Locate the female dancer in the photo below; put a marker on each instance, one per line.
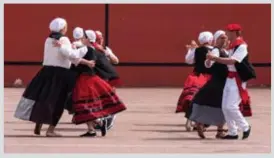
(93, 98)
(207, 103)
(200, 75)
(104, 63)
(44, 98)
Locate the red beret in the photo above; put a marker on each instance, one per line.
(234, 27)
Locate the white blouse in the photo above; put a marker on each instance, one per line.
(189, 58)
(78, 43)
(63, 56)
(238, 55)
(110, 54)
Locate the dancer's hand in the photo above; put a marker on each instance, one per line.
(192, 45)
(210, 56)
(91, 63)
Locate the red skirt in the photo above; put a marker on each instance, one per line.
(192, 85)
(115, 82)
(94, 98)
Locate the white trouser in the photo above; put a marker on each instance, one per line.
(230, 106)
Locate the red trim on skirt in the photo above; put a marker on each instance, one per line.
(245, 104)
(192, 85)
(94, 98)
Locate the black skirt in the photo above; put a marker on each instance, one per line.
(44, 98)
(74, 74)
(206, 107)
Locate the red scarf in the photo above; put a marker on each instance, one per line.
(96, 46)
(236, 43)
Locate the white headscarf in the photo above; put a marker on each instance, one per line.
(218, 34)
(205, 37)
(91, 35)
(57, 24)
(78, 33)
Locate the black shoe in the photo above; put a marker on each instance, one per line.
(37, 129)
(200, 131)
(230, 137)
(206, 125)
(110, 121)
(104, 127)
(246, 133)
(89, 134)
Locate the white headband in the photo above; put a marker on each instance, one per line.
(57, 24)
(91, 35)
(218, 34)
(205, 37)
(78, 33)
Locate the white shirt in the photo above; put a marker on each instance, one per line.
(240, 53)
(110, 54)
(78, 43)
(189, 58)
(63, 56)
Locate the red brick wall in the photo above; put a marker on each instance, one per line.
(137, 33)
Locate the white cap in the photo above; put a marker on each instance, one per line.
(205, 37)
(91, 35)
(78, 33)
(57, 24)
(218, 34)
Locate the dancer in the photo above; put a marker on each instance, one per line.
(199, 76)
(108, 52)
(78, 35)
(235, 92)
(207, 103)
(105, 57)
(101, 68)
(93, 98)
(44, 98)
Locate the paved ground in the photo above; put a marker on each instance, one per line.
(148, 126)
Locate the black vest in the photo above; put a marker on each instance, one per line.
(200, 57)
(84, 69)
(220, 70)
(104, 68)
(245, 69)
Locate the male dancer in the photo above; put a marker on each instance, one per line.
(235, 93)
